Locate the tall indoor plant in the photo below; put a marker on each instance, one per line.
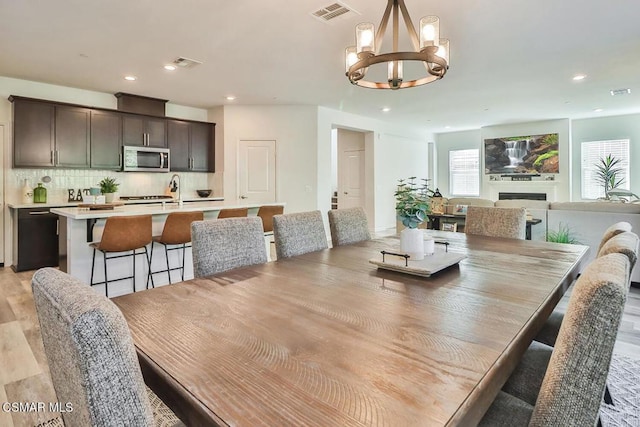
(413, 205)
(607, 174)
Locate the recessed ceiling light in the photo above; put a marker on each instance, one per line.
(579, 77)
(598, 110)
(130, 78)
(170, 67)
(230, 98)
(447, 127)
(385, 109)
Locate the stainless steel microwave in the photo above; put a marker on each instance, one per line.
(145, 159)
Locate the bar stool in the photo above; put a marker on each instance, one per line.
(175, 233)
(266, 213)
(123, 234)
(233, 213)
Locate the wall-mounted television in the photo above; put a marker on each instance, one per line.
(531, 154)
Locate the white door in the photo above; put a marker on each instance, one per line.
(350, 179)
(257, 171)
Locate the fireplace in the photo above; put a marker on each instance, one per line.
(526, 196)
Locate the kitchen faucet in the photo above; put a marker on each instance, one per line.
(174, 186)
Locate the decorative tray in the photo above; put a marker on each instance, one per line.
(431, 264)
(100, 206)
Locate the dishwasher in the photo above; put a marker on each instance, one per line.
(37, 239)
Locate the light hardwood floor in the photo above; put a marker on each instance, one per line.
(24, 374)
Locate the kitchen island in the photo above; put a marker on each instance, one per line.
(81, 226)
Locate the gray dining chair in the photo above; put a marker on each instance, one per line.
(613, 230)
(496, 222)
(626, 243)
(91, 356)
(348, 226)
(224, 244)
(299, 233)
(573, 381)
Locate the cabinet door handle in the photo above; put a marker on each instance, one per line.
(57, 227)
(120, 160)
(57, 157)
(53, 160)
(38, 212)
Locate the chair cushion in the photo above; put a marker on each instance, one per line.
(507, 411)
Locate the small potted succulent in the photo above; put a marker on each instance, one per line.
(108, 187)
(413, 205)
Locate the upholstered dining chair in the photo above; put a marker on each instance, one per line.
(626, 243)
(614, 230)
(299, 233)
(496, 222)
(348, 226)
(223, 244)
(91, 356)
(574, 379)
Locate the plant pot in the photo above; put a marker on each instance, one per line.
(412, 243)
(110, 197)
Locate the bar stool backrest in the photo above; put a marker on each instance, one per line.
(267, 213)
(125, 233)
(233, 213)
(177, 227)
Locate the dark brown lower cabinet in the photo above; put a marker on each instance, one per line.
(37, 239)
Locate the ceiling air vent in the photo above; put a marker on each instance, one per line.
(618, 92)
(332, 11)
(186, 62)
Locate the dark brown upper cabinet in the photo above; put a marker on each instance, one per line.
(106, 140)
(144, 131)
(49, 135)
(192, 146)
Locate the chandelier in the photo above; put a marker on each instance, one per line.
(429, 49)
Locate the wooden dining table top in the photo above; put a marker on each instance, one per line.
(327, 339)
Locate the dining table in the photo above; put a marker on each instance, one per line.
(329, 339)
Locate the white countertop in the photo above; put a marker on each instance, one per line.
(153, 209)
(128, 202)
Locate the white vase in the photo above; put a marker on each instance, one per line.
(412, 243)
(27, 192)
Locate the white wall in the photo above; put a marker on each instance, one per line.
(398, 152)
(446, 142)
(557, 190)
(606, 128)
(294, 128)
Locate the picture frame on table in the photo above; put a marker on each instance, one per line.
(460, 210)
(449, 226)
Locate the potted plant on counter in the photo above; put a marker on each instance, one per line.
(413, 205)
(108, 187)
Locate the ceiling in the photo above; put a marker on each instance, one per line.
(511, 61)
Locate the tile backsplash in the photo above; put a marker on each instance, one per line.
(131, 183)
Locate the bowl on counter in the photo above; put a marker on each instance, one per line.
(203, 193)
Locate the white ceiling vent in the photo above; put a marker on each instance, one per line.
(333, 11)
(618, 92)
(186, 62)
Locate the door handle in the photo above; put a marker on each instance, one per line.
(243, 197)
(346, 192)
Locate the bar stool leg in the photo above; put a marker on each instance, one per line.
(149, 275)
(106, 281)
(93, 264)
(134, 269)
(184, 248)
(166, 255)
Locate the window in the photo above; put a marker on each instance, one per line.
(592, 152)
(464, 172)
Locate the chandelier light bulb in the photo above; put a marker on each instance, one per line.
(365, 40)
(429, 31)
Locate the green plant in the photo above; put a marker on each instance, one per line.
(413, 202)
(545, 156)
(108, 185)
(563, 235)
(607, 174)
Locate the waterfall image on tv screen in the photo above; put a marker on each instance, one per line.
(533, 154)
